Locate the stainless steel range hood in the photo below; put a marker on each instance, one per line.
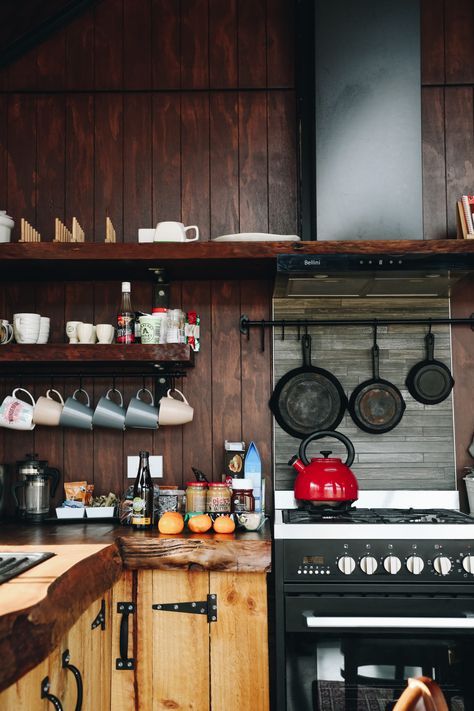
(369, 276)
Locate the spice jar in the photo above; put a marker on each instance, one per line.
(242, 496)
(218, 498)
(196, 492)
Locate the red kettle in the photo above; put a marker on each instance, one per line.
(325, 480)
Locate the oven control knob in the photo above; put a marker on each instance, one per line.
(468, 564)
(346, 564)
(415, 564)
(392, 564)
(442, 565)
(368, 564)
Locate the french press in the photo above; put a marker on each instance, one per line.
(36, 484)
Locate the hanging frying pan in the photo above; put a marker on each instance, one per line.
(376, 405)
(429, 381)
(307, 399)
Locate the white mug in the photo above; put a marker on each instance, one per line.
(26, 327)
(105, 332)
(174, 232)
(86, 333)
(174, 412)
(16, 414)
(71, 330)
(47, 410)
(6, 332)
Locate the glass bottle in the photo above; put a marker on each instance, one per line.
(142, 504)
(126, 317)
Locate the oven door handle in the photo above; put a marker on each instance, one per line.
(435, 623)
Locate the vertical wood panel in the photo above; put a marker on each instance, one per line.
(282, 171)
(224, 164)
(195, 162)
(165, 49)
(253, 163)
(223, 70)
(166, 138)
(194, 44)
(108, 44)
(432, 41)
(51, 164)
(23, 74)
(79, 197)
(123, 682)
(280, 51)
(108, 189)
(459, 18)
(51, 62)
(252, 44)
(434, 163)
(22, 160)
(137, 40)
(459, 149)
(3, 150)
(80, 52)
(138, 161)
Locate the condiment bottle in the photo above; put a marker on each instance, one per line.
(196, 499)
(242, 496)
(126, 317)
(142, 503)
(218, 498)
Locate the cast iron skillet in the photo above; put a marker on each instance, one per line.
(429, 381)
(307, 399)
(376, 405)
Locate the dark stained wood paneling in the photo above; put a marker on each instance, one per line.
(434, 163)
(52, 63)
(108, 44)
(195, 44)
(80, 52)
(165, 48)
(137, 39)
(224, 163)
(252, 44)
(281, 43)
(3, 150)
(432, 41)
(223, 44)
(22, 160)
(459, 22)
(108, 171)
(166, 152)
(459, 148)
(79, 194)
(282, 170)
(195, 161)
(50, 164)
(253, 156)
(23, 74)
(137, 158)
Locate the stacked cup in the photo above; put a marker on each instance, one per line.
(30, 328)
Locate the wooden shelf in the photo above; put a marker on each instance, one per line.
(199, 260)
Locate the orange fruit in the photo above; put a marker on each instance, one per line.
(200, 524)
(171, 522)
(224, 524)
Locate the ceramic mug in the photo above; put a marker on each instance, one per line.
(6, 332)
(43, 334)
(16, 414)
(75, 413)
(71, 331)
(251, 520)
(105, 332)
(86, 333)
(47, 410)
(174, 232)
(174, 412)
(109, 413)
(142, 414)
(26, 327)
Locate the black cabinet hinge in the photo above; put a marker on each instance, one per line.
(124, 662)
(206, 607)
(100, 618)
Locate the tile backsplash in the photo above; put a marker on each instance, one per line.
(419, 452)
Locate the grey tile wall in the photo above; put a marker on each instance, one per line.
(419, 452)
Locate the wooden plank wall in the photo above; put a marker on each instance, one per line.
(149, 110)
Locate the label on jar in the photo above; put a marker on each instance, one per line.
(218, 501)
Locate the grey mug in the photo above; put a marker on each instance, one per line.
(142, 414)
(75, 413)
(109, 413)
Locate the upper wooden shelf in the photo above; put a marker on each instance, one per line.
(199, 260)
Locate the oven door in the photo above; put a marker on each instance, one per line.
(354, 652)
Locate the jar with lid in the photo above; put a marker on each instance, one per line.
(218, 497)
(242, 496)
(196, 496)
(161, 324)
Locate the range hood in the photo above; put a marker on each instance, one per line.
(370, 276)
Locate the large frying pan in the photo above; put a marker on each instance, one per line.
(376, 405)
(307, 399)
(429, 381)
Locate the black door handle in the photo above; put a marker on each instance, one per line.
(77, 675)
(124, 662)
(46, 695)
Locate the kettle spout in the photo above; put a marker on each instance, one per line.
(297, 464)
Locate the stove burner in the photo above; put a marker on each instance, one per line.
(355, 515)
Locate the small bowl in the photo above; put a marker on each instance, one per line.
(100, 511)
(70, 512)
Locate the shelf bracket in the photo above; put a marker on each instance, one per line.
(206, 607)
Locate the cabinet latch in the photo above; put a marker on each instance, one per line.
(100, 618)
(124, 662)
(206, 607)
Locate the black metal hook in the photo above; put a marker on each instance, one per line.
(262, 337)
(282, 335)
(375, 332)
(430, 324)
(298, 332)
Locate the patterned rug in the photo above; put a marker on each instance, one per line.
(331, 697)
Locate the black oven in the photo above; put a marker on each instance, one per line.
(350, 646)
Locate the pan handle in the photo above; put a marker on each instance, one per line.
(306, 346)
(327, 433)
(430, 343)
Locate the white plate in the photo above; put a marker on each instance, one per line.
(100, 511)
(256, 237)
(70, 512)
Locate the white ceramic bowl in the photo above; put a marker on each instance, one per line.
(100, 511)
(69, 512)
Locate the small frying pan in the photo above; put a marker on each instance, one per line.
(307, 399)
(429, 381)
(376, 405)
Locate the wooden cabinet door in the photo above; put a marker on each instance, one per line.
(123, 689)
(26, 693)
(97, 647)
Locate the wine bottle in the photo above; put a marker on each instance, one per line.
(126, 317)
(142, 504)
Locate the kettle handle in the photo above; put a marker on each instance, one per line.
(327, 433)
(54, 475)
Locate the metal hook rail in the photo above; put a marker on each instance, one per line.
(246, 324)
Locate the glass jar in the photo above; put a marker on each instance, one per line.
(196, 496)
(218, 498)
(242, 496)
(161, 324)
